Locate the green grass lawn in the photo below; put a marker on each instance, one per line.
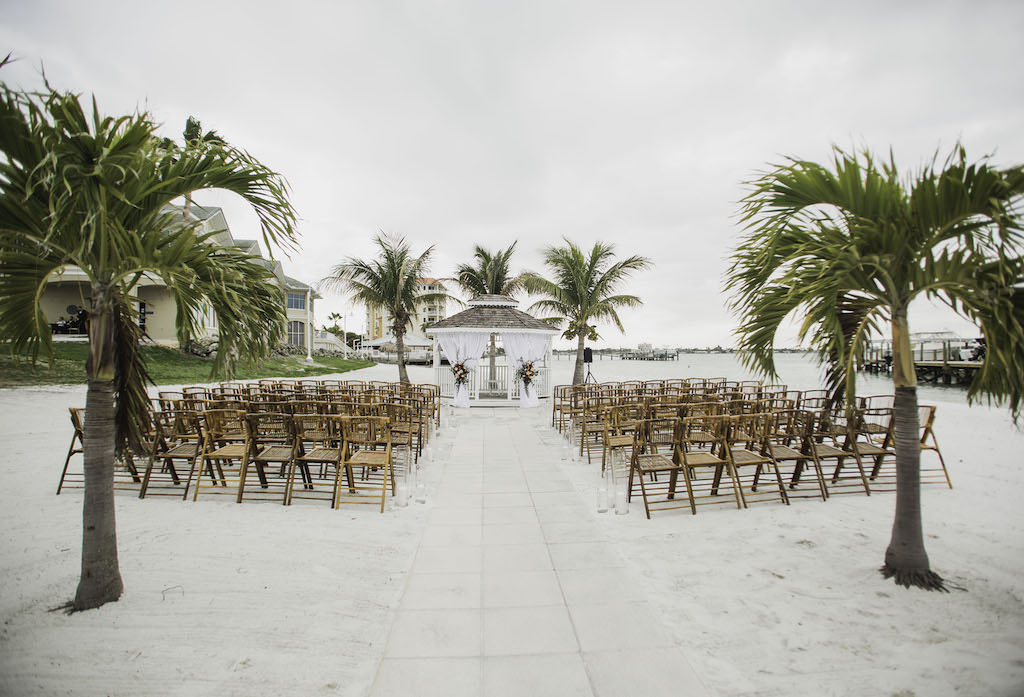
(167, 367)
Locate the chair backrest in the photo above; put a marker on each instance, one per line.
(170, 400)
(77, 421)
(310, 406)
(365, 431)
(270, 427)
(813, 399)
(748, 431)
(400, 413)
(317, 428)
(874, 423)
(877, 401)
(187, 425)
(193, 396)
(926, 422)
(790, 426)
(225, 425)
(702, 405)
(622, 418)
(774, 403)
(662, 406)
(655, 435)
(703, 432)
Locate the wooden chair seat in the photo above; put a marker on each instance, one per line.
(182, 450)
(621, 441)
(698, 458)
(824, 450)
(654, 462)
(322, 454)
(868, 449)
(784, 452)
(232, 451)
(369, 458)
(742, 456)
(275, 453)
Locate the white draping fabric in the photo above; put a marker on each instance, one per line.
(523, 348)
(465, 348)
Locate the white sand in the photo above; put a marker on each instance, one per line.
(260, 599)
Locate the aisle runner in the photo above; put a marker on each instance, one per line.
(515, 591)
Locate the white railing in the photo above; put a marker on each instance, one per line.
(503, 385)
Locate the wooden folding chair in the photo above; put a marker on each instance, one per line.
(790, 443)
(591, 423)
(366, 446)
(926, 420)
(617, 440)
(832, 440)
(873, 439)
(271, 441)
(749, 454)
(650, 459)
(180, 443)
(77, 479)
(318, 441)
(405, 430)
(226, 451)
(701, 444)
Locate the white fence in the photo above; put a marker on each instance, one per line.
(503, 385)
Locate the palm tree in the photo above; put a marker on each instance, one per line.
(92, 192)
(490, 275)
(582, 291)
(389, 282)
(849, 248)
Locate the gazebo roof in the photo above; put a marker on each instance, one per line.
(491, 313)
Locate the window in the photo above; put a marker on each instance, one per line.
(297, 333)
(296, 301)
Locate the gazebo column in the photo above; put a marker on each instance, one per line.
(549, 359)
(509, 377)
(437, 361)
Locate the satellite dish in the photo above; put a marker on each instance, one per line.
(71, 309)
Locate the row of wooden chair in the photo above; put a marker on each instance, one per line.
(793, 435)
(230, 446)
(763, 456)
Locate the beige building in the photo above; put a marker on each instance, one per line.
(67, 292)
(378, 320)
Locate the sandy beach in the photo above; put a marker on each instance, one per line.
(261, 599)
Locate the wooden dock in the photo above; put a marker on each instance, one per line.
(936, 372)
(649, 355)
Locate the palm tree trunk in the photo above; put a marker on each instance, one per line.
(101, 578)
(906, 559)
(577, 374)
(403, 374)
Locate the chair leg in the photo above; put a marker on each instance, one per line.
(67, 461)
(145, 478)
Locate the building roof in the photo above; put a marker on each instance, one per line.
(295, 284)
(492, 313)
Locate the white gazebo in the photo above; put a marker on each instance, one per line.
(464, 336)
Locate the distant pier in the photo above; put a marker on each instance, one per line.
(938, 362)
(627, 355)
(662, 355)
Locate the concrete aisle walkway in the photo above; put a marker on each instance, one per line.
(514, 590)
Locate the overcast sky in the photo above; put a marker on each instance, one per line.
(484, 122)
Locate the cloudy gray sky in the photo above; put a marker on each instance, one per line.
(462, 122)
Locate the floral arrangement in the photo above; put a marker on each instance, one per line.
(461, 373)
(525, 373)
